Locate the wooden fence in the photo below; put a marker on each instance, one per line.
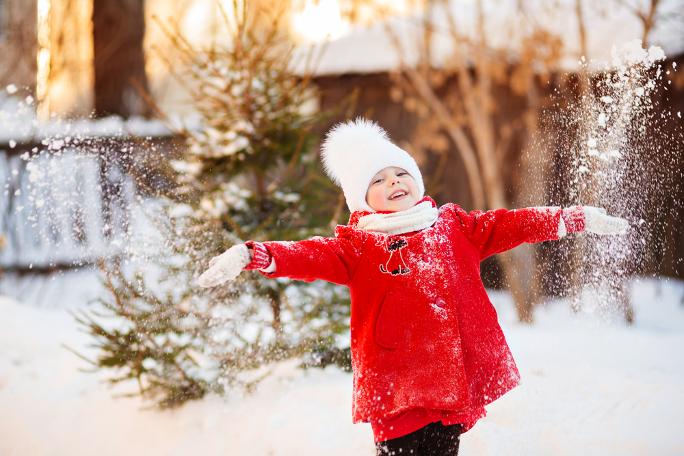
(62, 209)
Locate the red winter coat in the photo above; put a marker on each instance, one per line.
(427, 336)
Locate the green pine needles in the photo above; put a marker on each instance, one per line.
(249, 172)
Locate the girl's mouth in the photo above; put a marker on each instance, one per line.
(398, 195)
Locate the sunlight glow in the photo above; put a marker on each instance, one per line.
(43, 59)
(319, 20)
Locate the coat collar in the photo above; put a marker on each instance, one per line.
(356, 215)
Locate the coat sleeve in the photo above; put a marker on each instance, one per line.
(498, 230)
(332, 259)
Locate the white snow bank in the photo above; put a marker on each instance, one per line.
(20, 124)
(60, 290)
(49, 407)
(589, 386)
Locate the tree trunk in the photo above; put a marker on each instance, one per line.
(119, 61)
(275, 298)
(516, 264)
(530, 190)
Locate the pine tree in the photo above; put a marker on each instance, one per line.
(250, 172)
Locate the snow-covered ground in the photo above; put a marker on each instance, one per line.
(590, 386)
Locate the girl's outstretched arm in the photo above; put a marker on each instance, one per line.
(499, 230)
(333, 259)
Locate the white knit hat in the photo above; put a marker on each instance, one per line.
(354, 151)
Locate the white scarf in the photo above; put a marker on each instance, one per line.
(420, 216)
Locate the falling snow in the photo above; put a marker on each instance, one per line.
(616, 122)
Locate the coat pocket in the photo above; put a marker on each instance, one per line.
(390, 329)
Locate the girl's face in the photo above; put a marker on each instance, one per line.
(392, 189)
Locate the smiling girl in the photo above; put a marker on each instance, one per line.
(428, 353)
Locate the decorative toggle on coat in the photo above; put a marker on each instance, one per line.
(423, 331)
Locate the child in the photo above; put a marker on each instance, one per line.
(427, 350)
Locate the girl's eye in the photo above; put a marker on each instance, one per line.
(402, 174)
(377, 180)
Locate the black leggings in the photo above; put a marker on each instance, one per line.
(435, 439)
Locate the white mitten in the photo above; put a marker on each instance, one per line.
(225, 267)
(597, 221)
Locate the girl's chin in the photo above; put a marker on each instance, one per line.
(400, 204)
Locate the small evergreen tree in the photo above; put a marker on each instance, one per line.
(250, 172)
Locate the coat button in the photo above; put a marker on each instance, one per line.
(440, 303)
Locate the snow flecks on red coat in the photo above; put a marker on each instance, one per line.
(423, 331)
